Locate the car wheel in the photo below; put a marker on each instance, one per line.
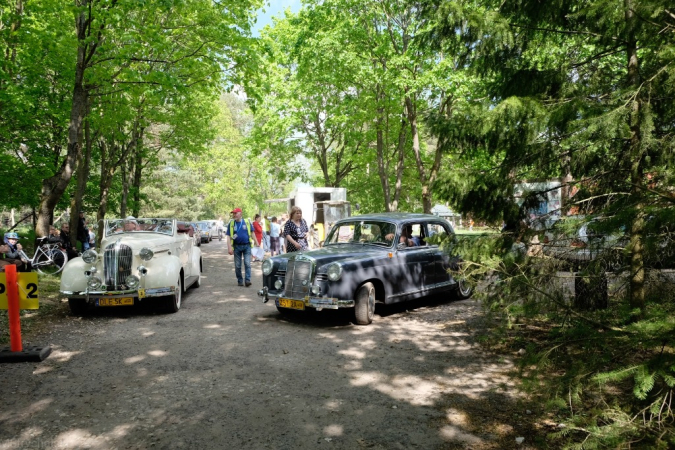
(365, 304)
(463, 290)
(174, 301)
(78, 306)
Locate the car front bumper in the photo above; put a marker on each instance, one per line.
(138, 294)
(318, 303)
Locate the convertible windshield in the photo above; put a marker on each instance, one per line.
(132, 225)
(362, 232)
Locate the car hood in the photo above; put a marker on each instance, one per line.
(137, 241)
(340, 252)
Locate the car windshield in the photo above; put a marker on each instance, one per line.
(132, 225)
(203, 226)
(362, 232)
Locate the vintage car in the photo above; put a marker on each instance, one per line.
(140, 261)
(206, 231)
(364, 260)
(197, 234)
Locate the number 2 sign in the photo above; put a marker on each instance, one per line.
(28, 290)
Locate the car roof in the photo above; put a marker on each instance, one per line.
(397, 217)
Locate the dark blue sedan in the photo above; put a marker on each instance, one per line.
(385, 258)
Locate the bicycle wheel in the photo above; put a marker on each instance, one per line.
(50, 261)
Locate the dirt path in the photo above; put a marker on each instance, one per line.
(227, 372)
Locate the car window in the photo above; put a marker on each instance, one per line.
(133, 225)
(416, 234)
(362, 232)
(436, 232)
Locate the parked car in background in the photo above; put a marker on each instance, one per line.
(197, 234)
(205, 230)
(141, 261)
(579, 240)
(362, 262)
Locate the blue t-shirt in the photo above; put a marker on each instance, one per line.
(240, 229)
(274, 229)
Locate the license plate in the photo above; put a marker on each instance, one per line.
(115, 301)
(291, 304)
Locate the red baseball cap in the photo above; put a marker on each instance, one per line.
(236, 210)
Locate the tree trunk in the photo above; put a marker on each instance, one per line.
(400, 164)
(83, 163)
(136, 180)
(381, 166)
(414, 129)
(54, 187)
(637, 231)
(125, 189)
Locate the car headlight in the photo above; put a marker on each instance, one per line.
(278, 284)
(132, 281)
(146, 254)
(94, 283)
(316, 289)
(334, 272)
(89, 256)
(267, 267)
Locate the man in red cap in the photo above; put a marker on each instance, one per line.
(240, 239)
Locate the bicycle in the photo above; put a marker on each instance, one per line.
(49, 258)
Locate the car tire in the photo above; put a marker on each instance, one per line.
(174, 302)
(78, 306)
(364, 310)
(463, 290)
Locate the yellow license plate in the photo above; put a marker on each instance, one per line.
(291, 304)
(115, 301)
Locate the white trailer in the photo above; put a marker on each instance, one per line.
(321, 206)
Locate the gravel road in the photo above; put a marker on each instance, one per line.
(228, 372)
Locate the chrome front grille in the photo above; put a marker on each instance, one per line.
(116, 264)
(298, 278)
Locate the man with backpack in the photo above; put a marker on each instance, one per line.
(240, 240)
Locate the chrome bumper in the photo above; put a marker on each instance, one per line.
(318, 303)
(155, 292)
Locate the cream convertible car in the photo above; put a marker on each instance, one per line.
(141, 260)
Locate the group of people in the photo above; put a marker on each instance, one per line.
(243, 236)
(10, 251)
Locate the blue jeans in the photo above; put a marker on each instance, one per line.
(85, 246)
(245, 251)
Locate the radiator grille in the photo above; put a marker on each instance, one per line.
(116, 265)
(298, 271)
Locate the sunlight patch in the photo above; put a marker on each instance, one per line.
(333, 430)
(353, 353)
(211, 326)
(455, 434)
(158, 353)
(134, 359)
